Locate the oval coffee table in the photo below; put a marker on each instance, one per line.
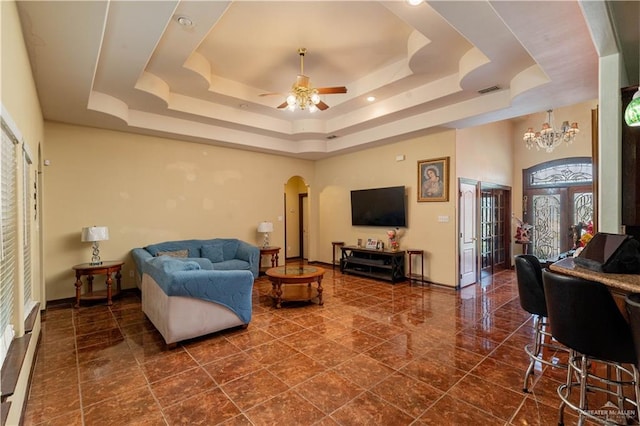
(286, 275)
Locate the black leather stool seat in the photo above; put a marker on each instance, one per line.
(532, 300)
(585, 318)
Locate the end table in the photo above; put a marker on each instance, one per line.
(89, 270)
(416, 252)
(265, 251)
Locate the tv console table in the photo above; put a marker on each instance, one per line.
(381, 264)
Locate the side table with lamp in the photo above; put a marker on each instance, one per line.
(95, 234)
(266, 228)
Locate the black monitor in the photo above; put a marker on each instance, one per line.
(601, 250)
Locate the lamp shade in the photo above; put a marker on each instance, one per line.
(95, 233)
(265, 227)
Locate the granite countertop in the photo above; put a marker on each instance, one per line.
(629, 283)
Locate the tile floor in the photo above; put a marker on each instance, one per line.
(374, 354)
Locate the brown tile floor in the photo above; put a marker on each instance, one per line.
(374, 354)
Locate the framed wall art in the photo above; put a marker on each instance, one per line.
(433, 179)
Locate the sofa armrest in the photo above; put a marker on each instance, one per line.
(232, 289)
(140, 256)
(251, 254)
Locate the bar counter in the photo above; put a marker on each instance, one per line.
(623, 283)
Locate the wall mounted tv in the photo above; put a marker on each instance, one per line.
(379, 207)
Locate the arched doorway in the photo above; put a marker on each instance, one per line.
(296, 207)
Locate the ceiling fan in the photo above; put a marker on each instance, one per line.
(303, 95)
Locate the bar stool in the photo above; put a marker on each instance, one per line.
(532, 300)
(586, 319)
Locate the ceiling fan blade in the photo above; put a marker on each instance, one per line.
(282, 105)
(331, 90)
(270, 94)
(322, 106)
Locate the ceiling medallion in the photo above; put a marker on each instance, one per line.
(548, 138)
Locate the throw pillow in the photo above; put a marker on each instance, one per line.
(212, 252)
(177, 253)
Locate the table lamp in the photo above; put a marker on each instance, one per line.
(266, 228)
(94, 234)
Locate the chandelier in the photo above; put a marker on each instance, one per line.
(303, 97)
(548, 138)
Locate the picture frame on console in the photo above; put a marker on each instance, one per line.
(372, 243)
(433, 179)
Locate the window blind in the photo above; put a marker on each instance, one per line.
(26, 208)
(8, 241)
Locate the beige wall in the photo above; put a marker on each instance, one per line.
(485, 153)
(377, 167)
(149, 190)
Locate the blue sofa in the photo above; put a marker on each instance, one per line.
(220, 254)
(195, 287)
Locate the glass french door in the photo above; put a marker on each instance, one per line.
(494, 232)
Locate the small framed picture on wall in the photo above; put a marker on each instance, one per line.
(433, 179)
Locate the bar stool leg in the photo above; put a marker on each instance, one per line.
(583, 388)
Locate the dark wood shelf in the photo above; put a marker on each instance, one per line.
(379, 264)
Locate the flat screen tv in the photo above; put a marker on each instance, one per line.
(379, 207)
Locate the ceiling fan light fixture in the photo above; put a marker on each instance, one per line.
(303, 95)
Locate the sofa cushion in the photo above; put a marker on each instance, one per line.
(192, 245)
(213, 251)
(229, 248)
(232, 265)
(176, 253)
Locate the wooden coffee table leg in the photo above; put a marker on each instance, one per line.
(278, 290)
(320, 302)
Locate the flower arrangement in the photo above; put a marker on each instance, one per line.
(587, 235)
(523, 231)
(393, 236)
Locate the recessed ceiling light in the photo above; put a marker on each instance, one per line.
(414, 2)
(185, 21)
(371, 98)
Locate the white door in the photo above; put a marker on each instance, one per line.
(468, 237)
